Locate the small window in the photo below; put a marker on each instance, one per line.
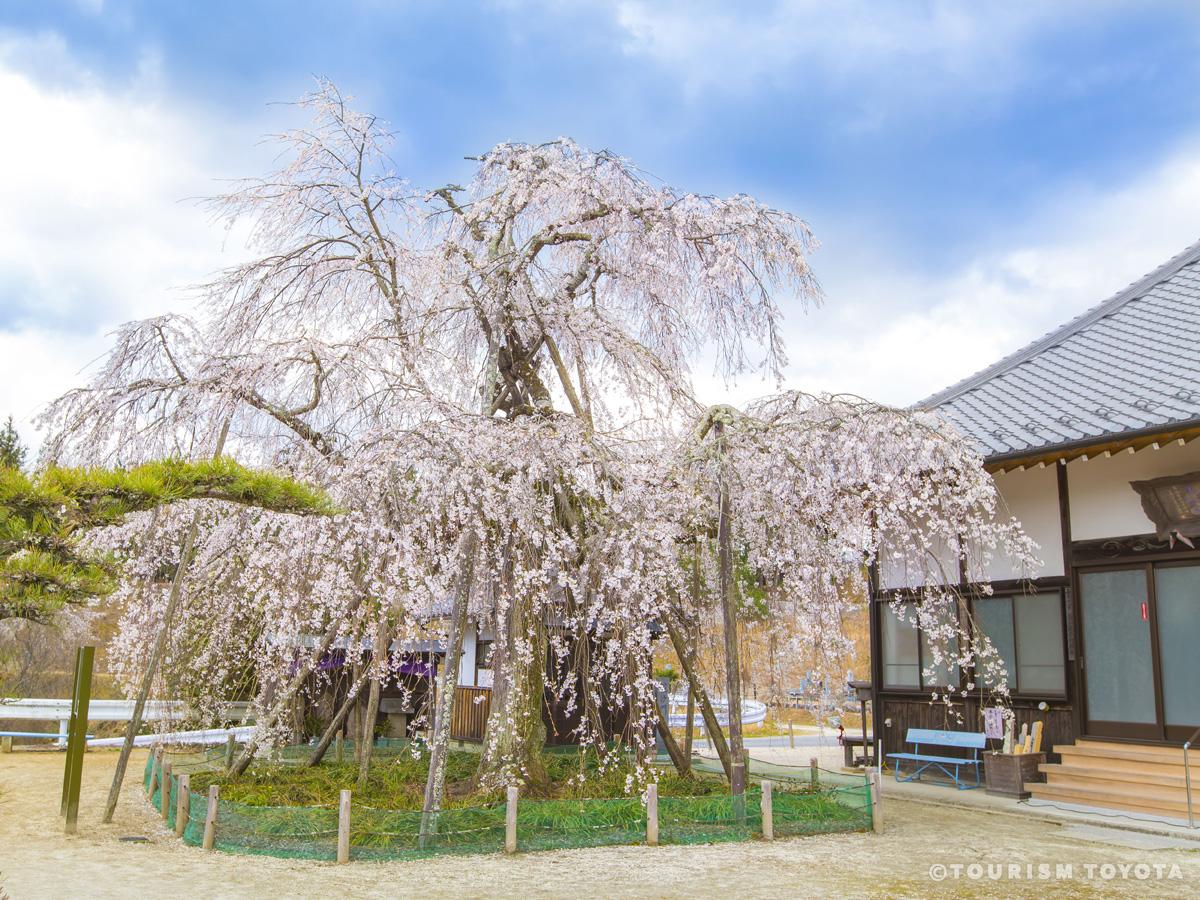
(1040, 644)
(901, 661)
(1026, 631)
(943, 673)
(908, 656)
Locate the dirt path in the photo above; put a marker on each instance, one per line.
(37, 860)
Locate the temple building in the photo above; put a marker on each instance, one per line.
(1089, 433)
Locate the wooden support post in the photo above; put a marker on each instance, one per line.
(814, 773)
(652, 815)
(80, 699)
(6, 744)
(210, 819)
(166, 788)
(791, 736)
(343, 848)
(230, 744)
(768, 813)
(183, 803)
(510, 822)
(876, 800)
(339, 745)
(156, 754)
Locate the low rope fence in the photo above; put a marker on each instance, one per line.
(774, 808)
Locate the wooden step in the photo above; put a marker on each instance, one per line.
(1109, 798)
(1158, 750)
(1127, 756)
(1096, 774)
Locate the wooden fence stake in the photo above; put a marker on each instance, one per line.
(339, 745)
(183, 803)
(6, 744)
(791, 736)
(229, 750)
(768, 813)
(210, 819)
(814, 774)
(156, 755)
(343, 850)
(876, 795)
(510, 822)
(652, 815)
(166, 788)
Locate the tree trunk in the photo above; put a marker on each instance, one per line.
(339, 717)
(516, 733)
(733, 679)
(701, 695)
(681, 761)
(381, 657)
(283, 702)
(435, 783)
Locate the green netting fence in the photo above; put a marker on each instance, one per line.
(837, 802)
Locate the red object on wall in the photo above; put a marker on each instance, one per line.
(1145, 612)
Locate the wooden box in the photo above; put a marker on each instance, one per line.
(1006, 774)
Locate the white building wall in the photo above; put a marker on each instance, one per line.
(1031, 495)
(1103, 505)
(466, 664)
(897, 575)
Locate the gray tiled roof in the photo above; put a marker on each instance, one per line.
(1130, 364)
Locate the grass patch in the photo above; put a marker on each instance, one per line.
(397, 782)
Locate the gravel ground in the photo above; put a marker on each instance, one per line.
(37, 860)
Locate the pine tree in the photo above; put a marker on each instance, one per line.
(12, 451)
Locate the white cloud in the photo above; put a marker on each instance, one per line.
(95, 224)
(896, 336)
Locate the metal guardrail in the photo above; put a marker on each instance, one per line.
(1187, 776)
(52, 709)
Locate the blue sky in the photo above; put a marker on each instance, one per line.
(977, 172)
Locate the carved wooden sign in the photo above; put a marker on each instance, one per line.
(1172, 503)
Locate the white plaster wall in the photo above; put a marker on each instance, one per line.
(896, 575)
(1103, 505)
(1031, 495)
(466, 664)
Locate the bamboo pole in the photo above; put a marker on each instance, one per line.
(77, 744)
(768, 812)
(733, 677)
(652, 815)
(157, 651)
(183, 803)
(343, 840)
(447, 687)
(510, 821)
(876, 795)
(210, 819)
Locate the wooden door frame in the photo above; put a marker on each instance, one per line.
(1132, 731)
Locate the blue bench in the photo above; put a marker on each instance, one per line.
(951, 766)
